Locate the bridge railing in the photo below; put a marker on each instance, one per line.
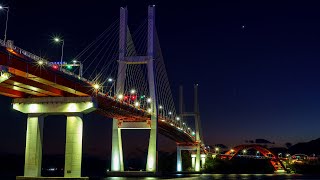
(9, 44)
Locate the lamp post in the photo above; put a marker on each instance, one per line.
(77, 63)
(58, 40)
(5, 31)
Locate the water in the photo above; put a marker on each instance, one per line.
(225, 176)
(211, 177)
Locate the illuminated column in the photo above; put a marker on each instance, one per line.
(33, 151)
(116, 159)
(193, 161)
(197, 167)
(203, 160)
(73, 155)
(73, 108)
(153, 149)
(179, 160)
(116, 154)
(197, 126)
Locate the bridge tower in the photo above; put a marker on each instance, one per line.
(117, 154)
(197, 146)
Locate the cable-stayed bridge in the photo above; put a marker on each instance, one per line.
(120, 75)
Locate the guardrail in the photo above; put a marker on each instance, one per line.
(9, 44)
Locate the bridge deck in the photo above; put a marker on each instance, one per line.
(31, 80)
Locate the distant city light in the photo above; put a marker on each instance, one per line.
(40, 62)
(110, 79)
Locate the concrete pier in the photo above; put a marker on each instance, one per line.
(37, 109)
(33, 151)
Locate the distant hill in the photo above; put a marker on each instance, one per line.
(308, 148)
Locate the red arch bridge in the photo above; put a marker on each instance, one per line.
(240, 151)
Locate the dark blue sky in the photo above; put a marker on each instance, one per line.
(260, 81)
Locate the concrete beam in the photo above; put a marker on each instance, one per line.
(55, 105)
(134, 125)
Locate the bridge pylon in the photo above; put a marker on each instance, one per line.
(196, 160)
(148, 60)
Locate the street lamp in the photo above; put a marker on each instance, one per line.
(5, 31)
(58, 40)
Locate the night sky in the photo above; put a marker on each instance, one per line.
(257, 64)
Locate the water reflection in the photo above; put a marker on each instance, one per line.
(224, 176)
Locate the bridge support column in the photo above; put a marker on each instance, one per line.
(73, 155)
(33, 151)
(152, 150)
(197, 165)
(203, 160)
(179, 160)
(37, 108)
(117, 156)
(193, 161)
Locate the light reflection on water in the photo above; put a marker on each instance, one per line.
(225, 176)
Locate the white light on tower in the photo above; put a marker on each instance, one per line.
(110, 79)
(132, 91)
(40, 62)
(178, 118)
(120, 96)
(170, 113)
(160, 107)
(149, 100)
(149, 110)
